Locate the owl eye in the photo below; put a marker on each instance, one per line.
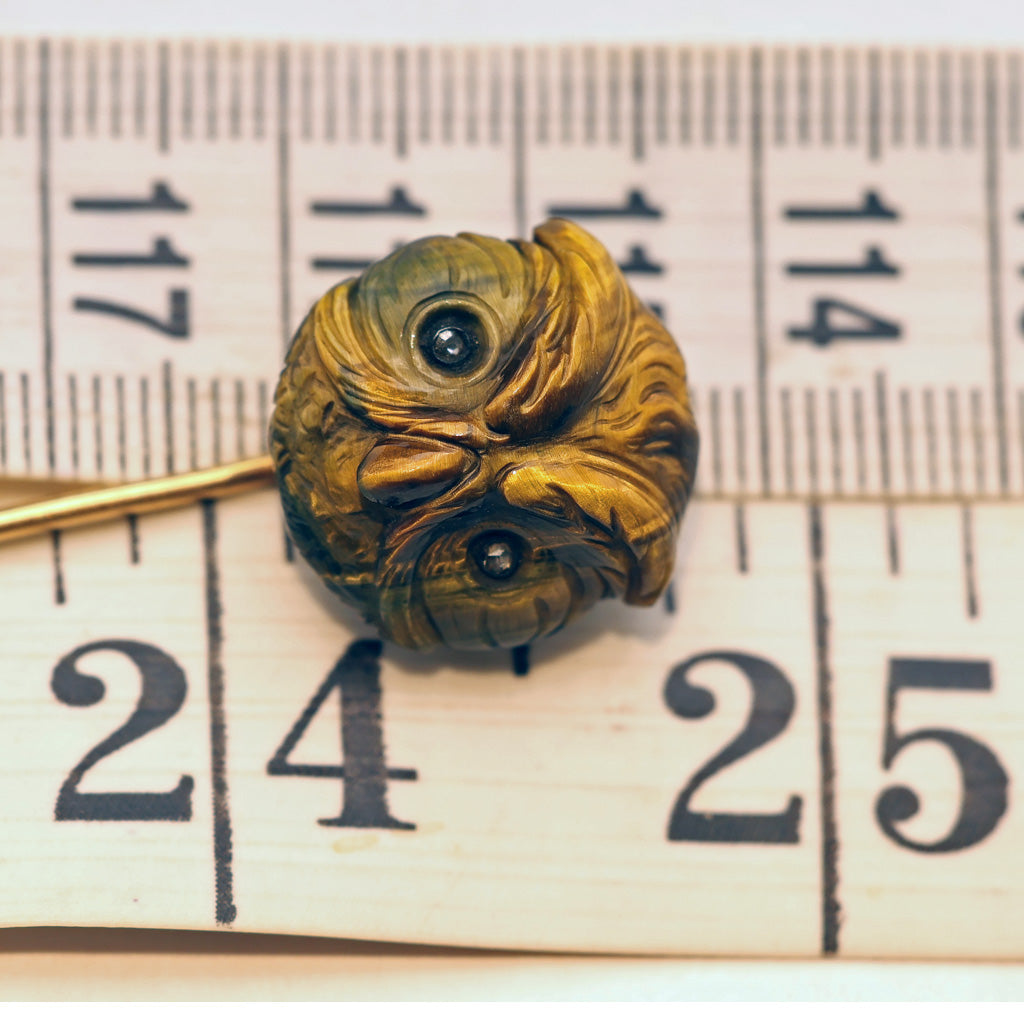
(451, 340)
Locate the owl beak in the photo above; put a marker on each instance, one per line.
(400, 472)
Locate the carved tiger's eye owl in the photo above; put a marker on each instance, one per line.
(476, 440)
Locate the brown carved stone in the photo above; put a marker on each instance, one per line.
(476, 439)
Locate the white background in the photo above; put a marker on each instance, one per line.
(986, 22)
(46, 964)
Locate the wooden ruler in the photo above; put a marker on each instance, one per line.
(811, 747)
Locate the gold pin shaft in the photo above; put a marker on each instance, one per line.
(137, 498)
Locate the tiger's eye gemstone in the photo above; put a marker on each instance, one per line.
(476, 440)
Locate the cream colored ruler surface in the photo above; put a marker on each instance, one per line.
(813, 744)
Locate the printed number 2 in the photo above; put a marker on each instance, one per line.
(163, 693)
(770, 711)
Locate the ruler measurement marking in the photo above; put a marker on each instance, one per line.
(789, 468)
(851, 88)
(122, 454)
(955, 452)
(46, 251)
(305, 94)
(225, 910)
(822, 626)
(426, 64)
(377, 95)
(740, 515)
(716, 441)
(263, 410)
(519, 205)
(284, 250)
(826, 72)
(978, 436)
(742, 545)
(921, 105)
(240, 419)
(566, 94)
(1013, 101)
(353, 87)
(779, 92)
(116, 57)
(234, 93)
(74, 421)
(639, 102)
(401, 103)
(330, 91)
(212, 90)
(163, 98)
(995, 270)
(803, 97)
(215, 421)
(835, 441)
(885, 469)
(892, 535)
(897, 91)
(931, 432)
(167, 380)
(193, 424)
(860, 440)
(758, 244)
(60, 594)
(708, 97)
(945, 101)
(874, 111)
(188, 90)
(425, 90)
(614, 96)
(906, 431)
(140, 90)
(661, 95)
(685, 97)
(732, 96)
(97, 421)
(882, 418)
(542, 101)
(967, 101)
(134, 543)
(589, 95)
(21, 87)
(472, 93)
(496, 100)
(471, 70)
(67, 73)
(967, 552)
(147, 448)
(811, 426)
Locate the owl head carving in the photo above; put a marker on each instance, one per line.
(478, 439)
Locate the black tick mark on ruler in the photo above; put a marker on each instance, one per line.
(830, 906)
(59, 591)
(225, 910)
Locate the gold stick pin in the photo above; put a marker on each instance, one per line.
(103, 503)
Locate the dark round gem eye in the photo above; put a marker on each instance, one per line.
(451, 340)
(498, 555)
